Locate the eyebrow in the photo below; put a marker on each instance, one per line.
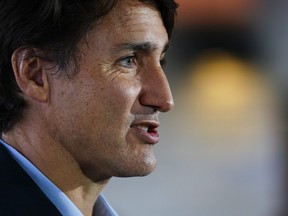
(143, 47)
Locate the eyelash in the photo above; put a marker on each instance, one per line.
(163, 62)
(133, 60)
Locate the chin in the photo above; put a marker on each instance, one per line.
(142, 169)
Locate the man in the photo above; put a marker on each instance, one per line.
(81, 87)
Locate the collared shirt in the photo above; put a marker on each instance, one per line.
(64, 205)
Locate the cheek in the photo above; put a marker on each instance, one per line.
(109, 108)
(120, 95)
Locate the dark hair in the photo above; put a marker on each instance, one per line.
(54, 27)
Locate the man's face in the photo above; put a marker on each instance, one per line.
(107, 115)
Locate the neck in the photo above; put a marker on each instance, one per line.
(58, 165)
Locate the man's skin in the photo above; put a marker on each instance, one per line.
(81, 130)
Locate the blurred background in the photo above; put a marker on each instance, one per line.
(223, 148)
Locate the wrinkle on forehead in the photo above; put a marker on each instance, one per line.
(129, 21)
(125, 12)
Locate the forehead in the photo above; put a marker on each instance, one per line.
(131, 20)
(126, 11)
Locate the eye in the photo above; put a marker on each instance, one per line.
(163, 62)
(128, 61)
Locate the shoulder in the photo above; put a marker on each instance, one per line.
(19, 195)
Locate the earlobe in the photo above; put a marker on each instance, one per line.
(30, 73)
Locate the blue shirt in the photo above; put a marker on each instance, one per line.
(64, 205)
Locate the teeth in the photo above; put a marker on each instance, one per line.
(143, 127)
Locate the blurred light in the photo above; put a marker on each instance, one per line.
(211, 12)
(230, 102)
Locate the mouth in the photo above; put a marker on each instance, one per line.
(147, 131)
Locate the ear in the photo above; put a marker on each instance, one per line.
(30, 73)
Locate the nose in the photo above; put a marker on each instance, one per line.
(156, 91)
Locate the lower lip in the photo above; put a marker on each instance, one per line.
(151, 137)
